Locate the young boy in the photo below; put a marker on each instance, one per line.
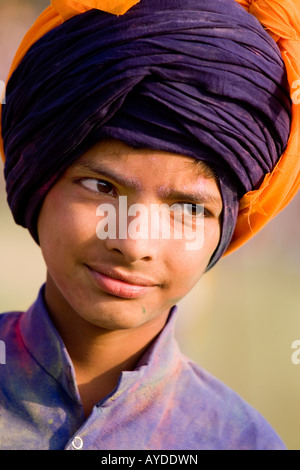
(117, 122)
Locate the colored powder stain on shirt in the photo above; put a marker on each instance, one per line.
(167, 403)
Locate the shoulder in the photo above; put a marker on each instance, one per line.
(228, 420)
(8, 322)
(10, 339)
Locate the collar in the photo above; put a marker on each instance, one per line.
(46, 346)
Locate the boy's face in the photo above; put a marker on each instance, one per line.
(124, 281)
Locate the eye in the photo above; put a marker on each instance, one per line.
(189, 209)
(194, 210)
(98, 186)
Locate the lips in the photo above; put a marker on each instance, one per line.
(127, 286)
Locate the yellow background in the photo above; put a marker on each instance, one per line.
(239, 322)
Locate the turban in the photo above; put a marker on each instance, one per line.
(201, 78)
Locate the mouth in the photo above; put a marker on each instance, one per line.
(126, 286)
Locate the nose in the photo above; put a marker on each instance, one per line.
(131, 237)
(133, 250)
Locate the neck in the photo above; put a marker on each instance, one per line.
(101, 359)
(99, 355)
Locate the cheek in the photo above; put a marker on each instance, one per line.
(64, 225)
(202, 243)
(190, 264)
(212, 234)
(190, 267)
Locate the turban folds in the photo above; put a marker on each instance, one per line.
(196, 77)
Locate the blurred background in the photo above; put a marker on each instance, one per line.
(241, 319)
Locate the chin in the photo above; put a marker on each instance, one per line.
(116, 314)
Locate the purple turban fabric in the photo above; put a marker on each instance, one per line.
(199, 78)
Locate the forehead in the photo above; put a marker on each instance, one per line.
(161, 174)
(143, 162)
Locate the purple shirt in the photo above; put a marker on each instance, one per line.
(167, 403)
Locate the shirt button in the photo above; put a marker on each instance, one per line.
(77, 443)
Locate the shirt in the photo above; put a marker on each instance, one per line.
(167, 403)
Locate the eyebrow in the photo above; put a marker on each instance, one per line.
(108, 173)
(197, 197)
